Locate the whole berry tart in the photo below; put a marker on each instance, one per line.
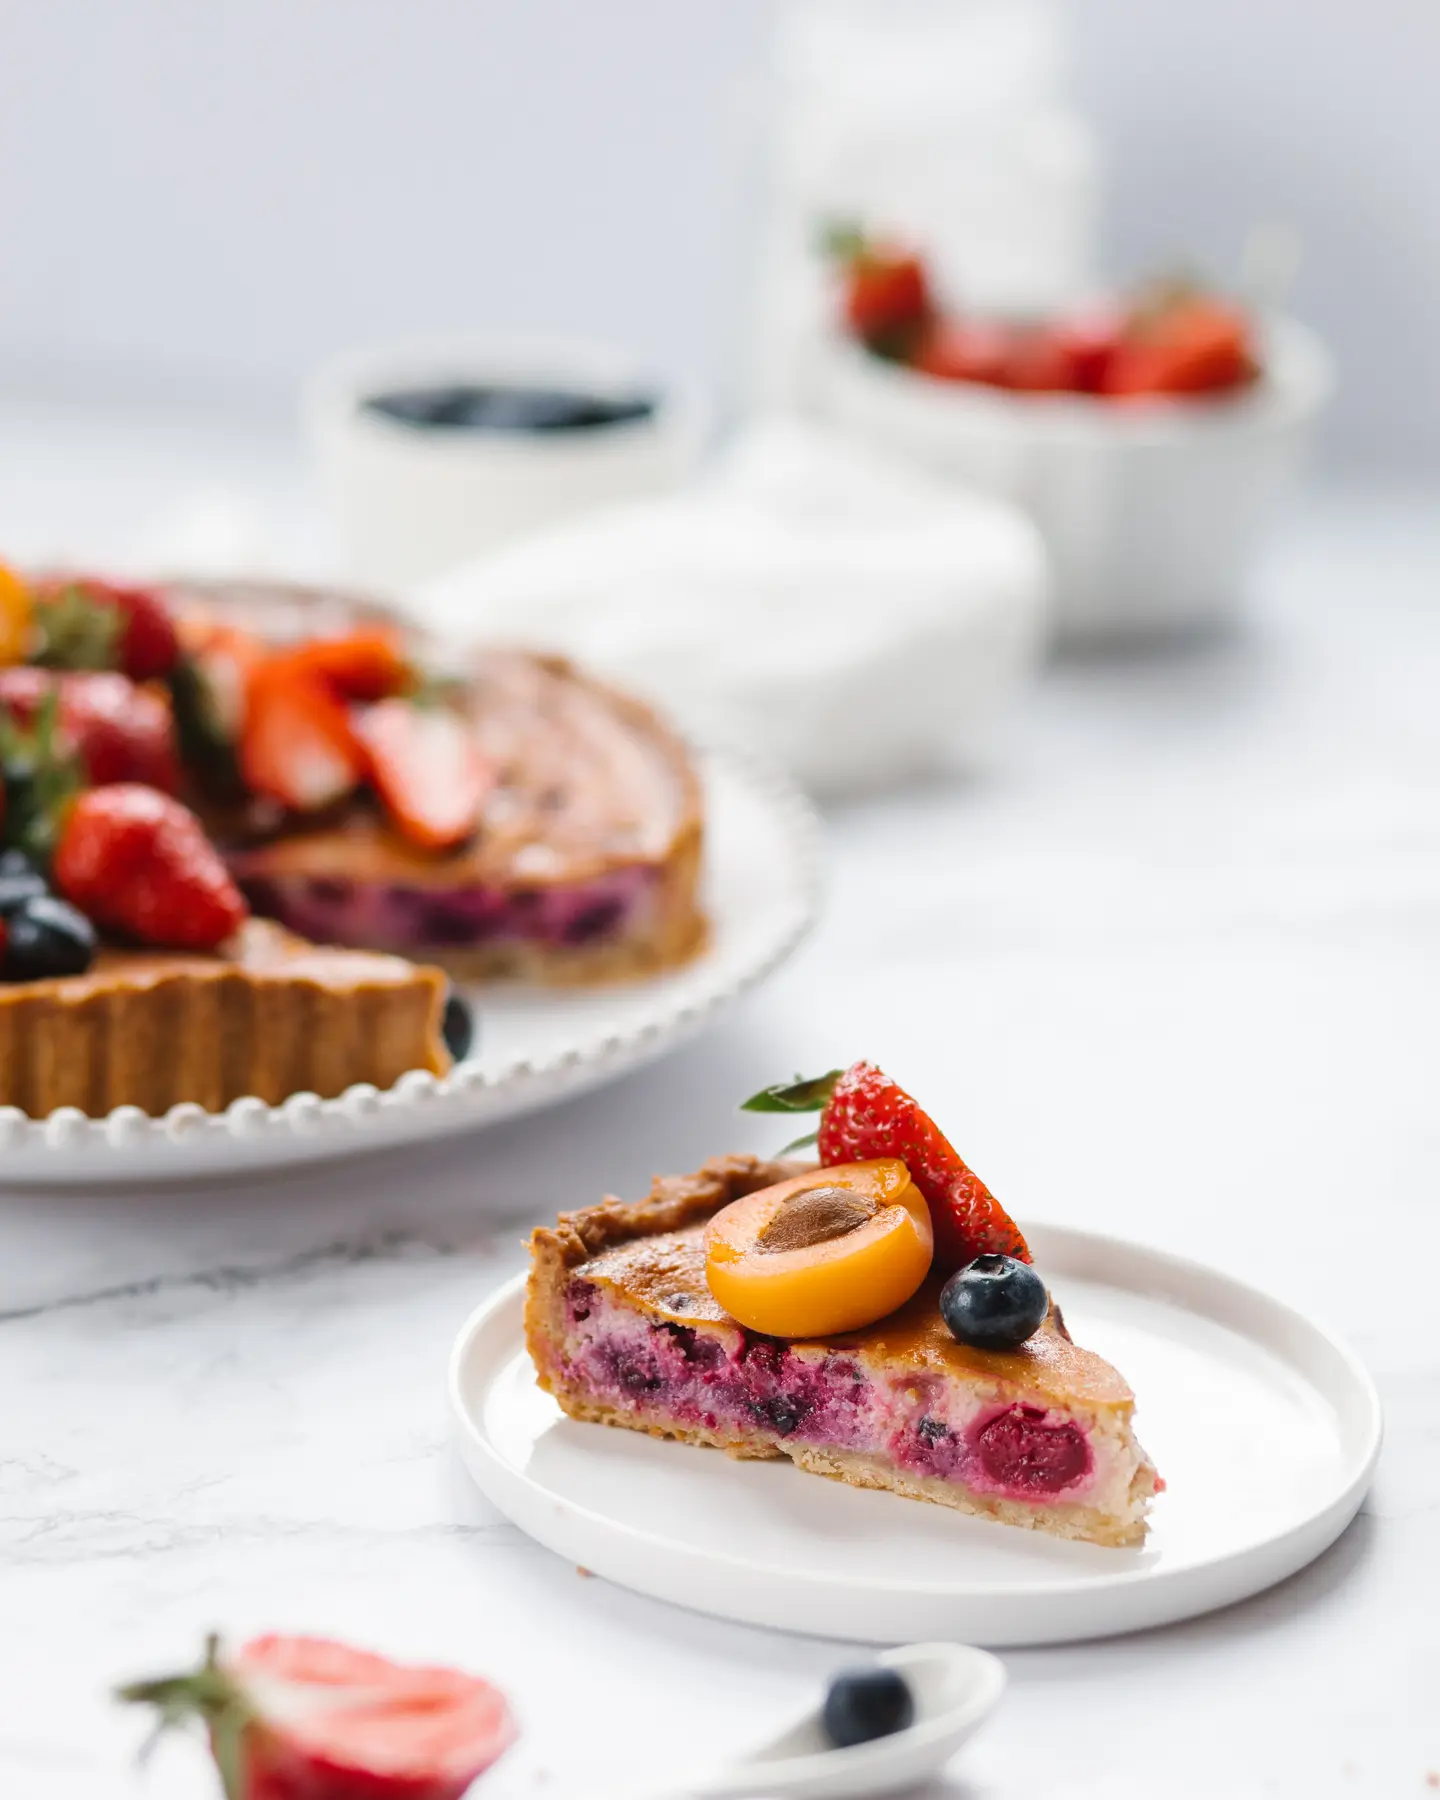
(503, 813)
(874, 1318)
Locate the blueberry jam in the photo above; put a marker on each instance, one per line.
(508, 407)
(741, 1381)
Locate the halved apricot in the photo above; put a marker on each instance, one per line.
(827, 1251)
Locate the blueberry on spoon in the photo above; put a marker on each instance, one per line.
(864, 1704)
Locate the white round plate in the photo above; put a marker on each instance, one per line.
(1265, 1427)
(537, 1046)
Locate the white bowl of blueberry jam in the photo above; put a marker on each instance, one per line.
(433, 451)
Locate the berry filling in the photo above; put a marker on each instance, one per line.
(394, 916)
(740, 1381)
(1021, 1451)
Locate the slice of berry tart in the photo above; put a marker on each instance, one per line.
(875, 1319)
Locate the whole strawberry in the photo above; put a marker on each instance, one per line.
(887, 300)
(138, 864)
(300, 1718)
(85, 622)
(120, 732)
(864, 1114)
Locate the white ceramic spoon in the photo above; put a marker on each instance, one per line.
(955, 1689)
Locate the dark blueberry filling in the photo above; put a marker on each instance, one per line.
(738, 1378)
(699, 1352)
(398, 917)
(595, 922)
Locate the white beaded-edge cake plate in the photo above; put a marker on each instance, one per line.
(1265, 1427)
(536, 1046)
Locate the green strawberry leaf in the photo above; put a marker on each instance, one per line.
(794, 1096)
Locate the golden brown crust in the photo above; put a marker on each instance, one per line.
(674, 1201)
(270, 1015)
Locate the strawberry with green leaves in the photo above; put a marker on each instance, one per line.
(886, 300)
(302, 1718)
(865, 1115)
(87, 623)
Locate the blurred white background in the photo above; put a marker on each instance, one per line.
(196, 203)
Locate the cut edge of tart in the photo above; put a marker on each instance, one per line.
(266, 1014)
(623, 1330)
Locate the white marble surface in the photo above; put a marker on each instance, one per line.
(1172, 969)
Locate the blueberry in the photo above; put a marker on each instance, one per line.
(864, 1704)
(994, 1303)
(458, 1026)
(45, 938)
(20, 880)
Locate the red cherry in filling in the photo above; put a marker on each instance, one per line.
(1018, 1450)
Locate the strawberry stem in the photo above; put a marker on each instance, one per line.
(797, 1096)
(208, 1694)
(843, 241)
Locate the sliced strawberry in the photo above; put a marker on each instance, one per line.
(298, 745)
(139, 864)
(298, 1718)
(953, 350)
(1195, 345)
(1089, 342)
(364, 665)
(864, 1114)
(1039, 363)
(427, 769)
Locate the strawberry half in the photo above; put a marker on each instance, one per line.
(298, 745)
(864, 1114)
(139, 864)
(427, 769)
(301, 1718)
(362, 665)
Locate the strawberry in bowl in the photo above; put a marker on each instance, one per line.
(1148, 437)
